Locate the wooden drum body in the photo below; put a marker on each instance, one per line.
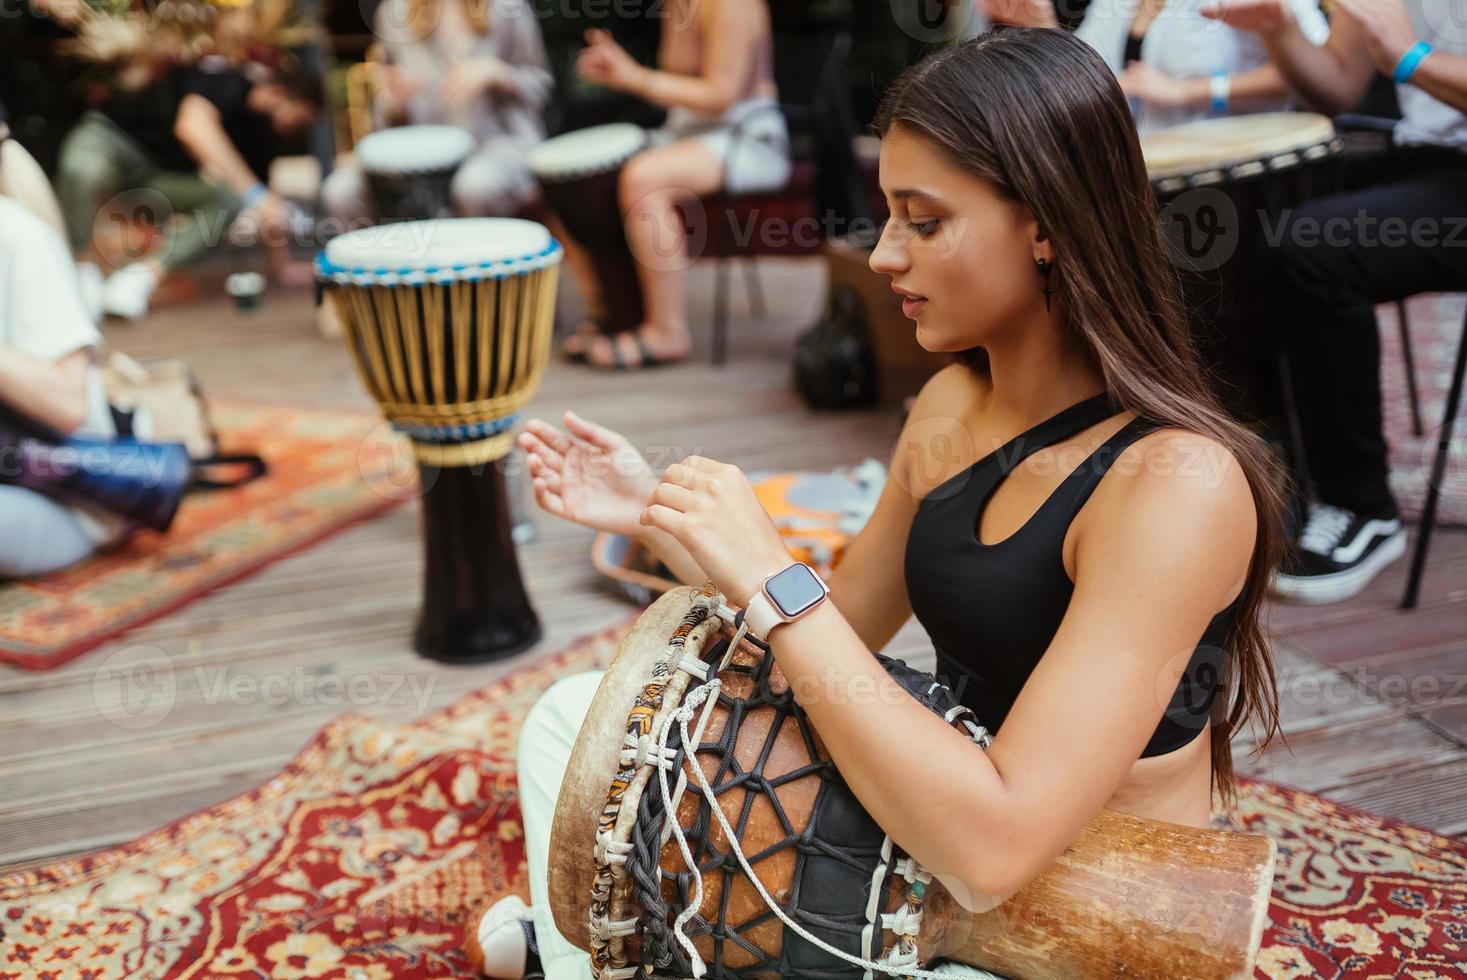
(449, 324)
(579, 174)
(1129, 898)
(409, 170)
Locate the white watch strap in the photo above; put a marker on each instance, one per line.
(761, 617)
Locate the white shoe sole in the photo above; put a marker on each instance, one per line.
(1311, 590)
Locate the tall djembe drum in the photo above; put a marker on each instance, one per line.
(579, 174)
(449, 324)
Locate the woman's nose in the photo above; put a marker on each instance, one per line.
(889, 257)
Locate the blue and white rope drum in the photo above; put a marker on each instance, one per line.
(579, 174)
(410, 169)
(449, 324)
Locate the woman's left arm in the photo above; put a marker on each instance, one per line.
(728, 36)
(1168, 553)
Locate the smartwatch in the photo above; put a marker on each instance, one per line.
(785, 597)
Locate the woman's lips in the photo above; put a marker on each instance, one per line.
(912, 305)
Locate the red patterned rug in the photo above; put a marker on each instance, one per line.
(327, 469)
(363, 858)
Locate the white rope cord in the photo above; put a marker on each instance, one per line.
(683, 716)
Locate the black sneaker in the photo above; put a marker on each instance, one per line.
(1337, 555)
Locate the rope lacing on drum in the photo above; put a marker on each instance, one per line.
(906, 922)
(663, 946)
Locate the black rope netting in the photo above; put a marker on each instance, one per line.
(659, 948)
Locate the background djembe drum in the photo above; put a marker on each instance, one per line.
(579, 174)
(1219, 183)
(1130, 897)
(409, 170)
(449, 324)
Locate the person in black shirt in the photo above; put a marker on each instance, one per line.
(144, 154)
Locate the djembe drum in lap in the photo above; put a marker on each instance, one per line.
(579, 174)
(409, 170)
(1130, 897)
(449, 324)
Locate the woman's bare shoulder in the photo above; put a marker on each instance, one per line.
(937, 437)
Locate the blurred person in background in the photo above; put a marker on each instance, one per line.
(196, 143)
(1174, 64)
(479, 65)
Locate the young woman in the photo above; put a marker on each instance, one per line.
(724, 131)
(475, 64)
(1083, 533)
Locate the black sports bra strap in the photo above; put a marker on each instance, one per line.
(1057, 428)
(1082, 481)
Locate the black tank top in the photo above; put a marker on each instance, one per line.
(992, 610)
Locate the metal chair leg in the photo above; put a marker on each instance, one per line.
(1438, 474)
(720, 311)
(753, 286)
(1410, 359)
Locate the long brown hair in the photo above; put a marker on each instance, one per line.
(1039, 116)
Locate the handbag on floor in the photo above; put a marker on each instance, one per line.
(161, 402)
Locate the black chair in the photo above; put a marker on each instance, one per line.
(1365, 134)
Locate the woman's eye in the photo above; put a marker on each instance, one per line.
(922, 228)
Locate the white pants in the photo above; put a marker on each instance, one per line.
(751, 140)
(494, 182)
(544, 752)
(38, 535)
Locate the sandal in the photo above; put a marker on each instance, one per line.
(645, 356)
(587, 330)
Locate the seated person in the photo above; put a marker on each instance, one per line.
(478, 66)
(1175, 65)
(21, 178)
(1337, 257)
(724, 131)
(157, 144)
(46, 375)
(1044, 584)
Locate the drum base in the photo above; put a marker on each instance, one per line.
(475, 608)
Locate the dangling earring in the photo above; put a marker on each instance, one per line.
(1044, 270)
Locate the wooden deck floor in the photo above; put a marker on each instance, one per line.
(1375, 699)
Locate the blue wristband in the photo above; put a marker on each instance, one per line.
(253, 195)
(1220, 87)
(1410, 61)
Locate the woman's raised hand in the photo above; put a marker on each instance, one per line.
(588, 475)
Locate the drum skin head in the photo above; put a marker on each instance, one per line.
(586, 151)
(594, 762)
(414, 149)
(444, 243)
(1212, 144)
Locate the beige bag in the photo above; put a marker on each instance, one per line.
(164, 400)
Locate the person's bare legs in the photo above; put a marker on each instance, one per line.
(583, 272)
(652, 184)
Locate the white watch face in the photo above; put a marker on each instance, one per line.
(795, 590)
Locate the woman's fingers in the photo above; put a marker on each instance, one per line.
(551, 478)
(549, 435)
(548, 501)
(673, 496)
(683, 475)
(664, 518)
(597, 435)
